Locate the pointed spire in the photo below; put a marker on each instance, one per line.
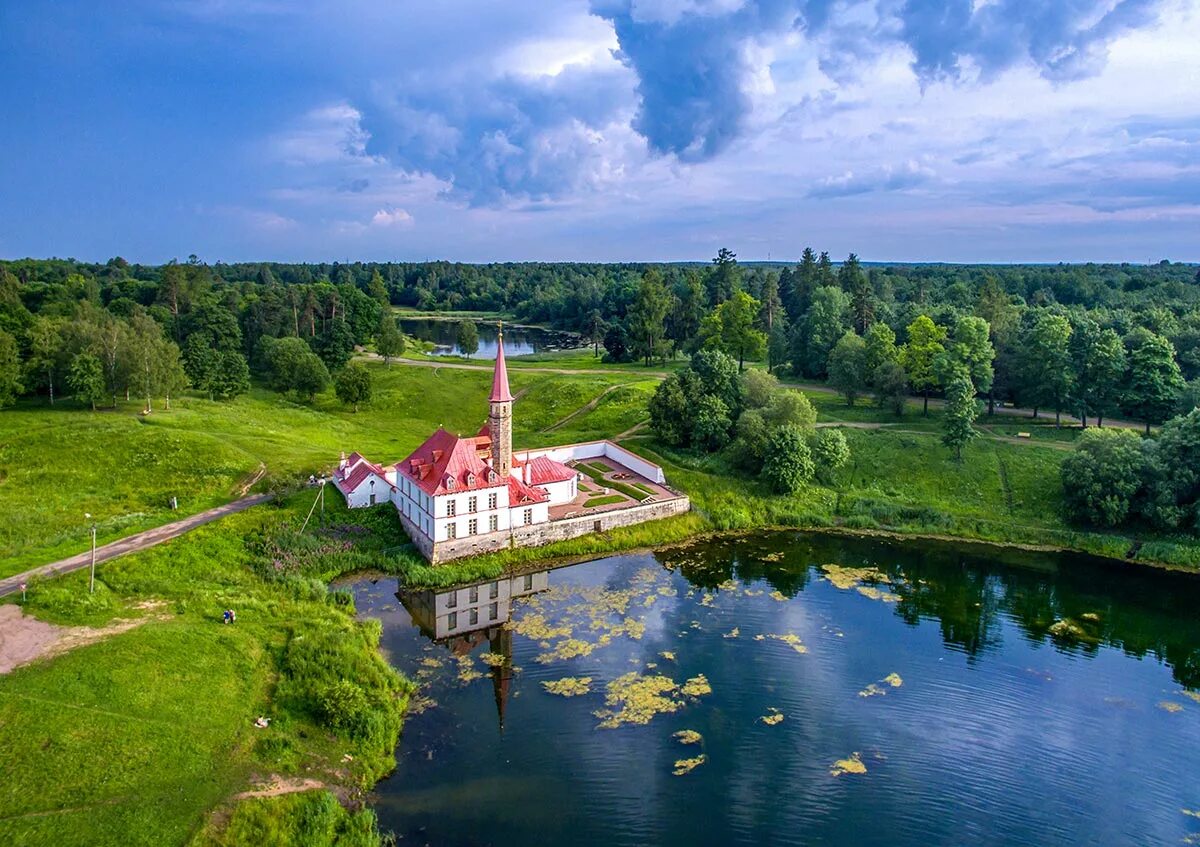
(500, 392)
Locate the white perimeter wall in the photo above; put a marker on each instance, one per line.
(598, 450)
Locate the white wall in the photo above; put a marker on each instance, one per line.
(361, 496)
(597, 450)
(560, 492)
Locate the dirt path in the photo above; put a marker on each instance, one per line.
(23, 639)
(130, 544)
(586, 407)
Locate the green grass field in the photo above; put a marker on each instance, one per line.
(58, 464)
(136, 738)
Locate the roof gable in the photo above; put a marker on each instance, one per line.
(446, 463)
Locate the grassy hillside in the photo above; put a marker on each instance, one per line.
(134, 739)
(58, 464)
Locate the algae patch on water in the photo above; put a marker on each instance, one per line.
(878, 689)
(686, 766)
(789, 638)
(697, 686)
(854, 764)
(635, 699)
(772, 717)
(668, 655)
(733, 633)
(1168, 706)
(688, 736)
(570, 686)
(534, 626)
(1192, 695)
(492, 660)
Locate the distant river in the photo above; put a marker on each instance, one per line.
(834, 691)
(518, 340)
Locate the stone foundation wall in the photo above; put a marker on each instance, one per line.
(547, 533)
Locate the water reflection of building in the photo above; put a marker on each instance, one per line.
(464, 617)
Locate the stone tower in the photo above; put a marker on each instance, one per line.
(500, 413)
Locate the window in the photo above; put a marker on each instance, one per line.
(452, 600)
(451, 531)
(450, 506)
(493, 523)
(472, 527)
(372, 498)
(528, 582)
(472, 504)
(474, 616)
(493, 611)
(474, 594)
(453, 622)
(491, 501)
(528, 516)
(493, 590)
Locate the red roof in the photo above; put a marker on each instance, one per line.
(445, 457)
(500, 392)
(544, 470)
(520, 494)
(355, 472)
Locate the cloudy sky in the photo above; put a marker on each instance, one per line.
(956, 130)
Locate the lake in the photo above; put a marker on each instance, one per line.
(518, 340)
(791, 688)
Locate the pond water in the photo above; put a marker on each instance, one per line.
(862, 692)
(518, 340)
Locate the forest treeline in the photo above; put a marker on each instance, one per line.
(1092, 339)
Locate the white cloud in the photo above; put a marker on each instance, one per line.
(391, 217)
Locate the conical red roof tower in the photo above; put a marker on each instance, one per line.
(500, 392)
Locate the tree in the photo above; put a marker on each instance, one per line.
(226, 375)
(891, 387)
(595, 331)
(292, 366)
(848, 366)
(862, 299)
(830, 453)
(48, 352)
(824, 323)
(960, 414)
(758, 388)
(466, 336)
(881, 346)
(86, 379)
(730, 329)
(779, 342)
(616, 344)
(1044, 363)
(353, 385)
(670, 414)
(1178, 465)
(724, 277)
(1102, 477)
(969, 352)
(10, 369)
(647, 314)
(389, 342)
(377, 291)
(711, 423)
(1153, 382)
(1097, 364)
(788, 466)
(920, 353)
(717, 374)
(336, 344)
(689, 310)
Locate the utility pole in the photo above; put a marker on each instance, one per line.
(92, 578)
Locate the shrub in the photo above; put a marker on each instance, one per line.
(789, 465)
(830, 452)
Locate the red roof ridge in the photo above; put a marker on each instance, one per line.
(500, 392)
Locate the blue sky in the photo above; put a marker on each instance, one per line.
(908, 130)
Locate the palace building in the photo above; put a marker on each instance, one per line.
(461, 495)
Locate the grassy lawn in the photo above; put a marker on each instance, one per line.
(135, 738)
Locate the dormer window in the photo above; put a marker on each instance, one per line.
(449, 481)
(470, 478)
(491, 475)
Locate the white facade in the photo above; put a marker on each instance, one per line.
(598, 450)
